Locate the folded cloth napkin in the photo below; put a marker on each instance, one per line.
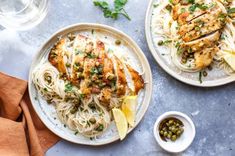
(21, 131)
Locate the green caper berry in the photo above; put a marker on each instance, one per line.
(168, 136)
(117, 42)
(184, 60)
(170, 132)
(167, 124)
(174, 137)
(177, 124)
(160, 43)
(173, 129)
(161, 132)
(178, 132)
(165, 134)
(170, 128)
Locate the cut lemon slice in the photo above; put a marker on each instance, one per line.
(121, 122)
(129, 109)
(230, 59)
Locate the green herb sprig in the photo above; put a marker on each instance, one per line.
(116, 11)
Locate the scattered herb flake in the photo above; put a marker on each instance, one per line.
(68, 87)
(200, 77)
(231, 10)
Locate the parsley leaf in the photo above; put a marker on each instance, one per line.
(231, 10)
(112, 12)
(68, 87)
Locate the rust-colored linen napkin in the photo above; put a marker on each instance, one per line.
(21, 131)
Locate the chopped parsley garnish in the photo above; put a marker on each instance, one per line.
(155, 5)
(68, 87)
(202, 6)
(200, 77)
(90, 55)
(222, 37)
(76, 133)
(193, 7)
(100, 128)
(182, 10)
(161, 42)
(94, 70)
(231, 10)
(191, 1)
(77, 51)
(112, 12)
(82, 96)
(169, 8)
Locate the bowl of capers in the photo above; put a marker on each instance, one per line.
(174, 131)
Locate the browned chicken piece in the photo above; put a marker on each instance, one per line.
(108, 71)
(202, 25)
(182, 14)
(137, 79)
(202, 43)
(56, 56)
(121, 78)
(174, 2)
(100, 50)
(79, 57)
(205, 57)
(105, 96)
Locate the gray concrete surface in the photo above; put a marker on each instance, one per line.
(211, 109)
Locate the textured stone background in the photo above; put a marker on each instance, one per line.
(211, 109)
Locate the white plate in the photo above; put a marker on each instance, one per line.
(47, 112)
(216, 77)
(184, 141)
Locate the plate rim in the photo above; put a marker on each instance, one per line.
(137, 50)
(165, 67)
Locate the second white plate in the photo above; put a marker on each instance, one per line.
(216, 77)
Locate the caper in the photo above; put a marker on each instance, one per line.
(204, 73)
(168, 136)
(160, 43)
(170, 128)
(173, 129)
(170, 132)
(92, 120)
(178, 132)
(117, 42)
(209, 67)
(170, 121)
(184, 60)
(173, 137)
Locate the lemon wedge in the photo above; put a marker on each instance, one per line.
(129, 109)
(230, 59)
(121, 122)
